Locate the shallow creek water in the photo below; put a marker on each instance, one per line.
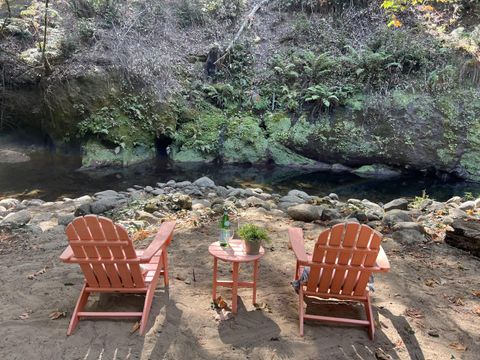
(53, 176)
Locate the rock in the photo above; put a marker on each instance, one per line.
(465, 236)
(145, 216)
(467, 205)
(477, 203)
(359, 215)
(457, 213)
(355, 202)
(277, 212)
(3, 211)
(203, 202)
(400, 204)
(434, 206)
(339, 168)
(204, 182)
(148, 189)
(43, 216)
(292, 199)
(341, 221)
(65, 218)
(86, 199)
(333, 196)
(10, 156)
(105, 204)
(330, 214)
(304, 212)
(182, 184)
(33, 202)
(253, 201)
(171, 183)
(378, 171)
(433, 333)
(299, 194)
(222, 191)
(181, 201)
(16, 219)
(372, 211)
(409, 225)
(9, 203)
(83, 209)
(157, 192)
(393, 217)
(217, 208)
(408, 236)
(454, 200)
(106, 193)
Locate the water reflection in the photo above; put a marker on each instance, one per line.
(58, 175)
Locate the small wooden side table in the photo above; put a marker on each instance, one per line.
(235, 254)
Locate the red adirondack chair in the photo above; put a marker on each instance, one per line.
(343, 259)
(110, 264)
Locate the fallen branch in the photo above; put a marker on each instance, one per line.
(245, 22)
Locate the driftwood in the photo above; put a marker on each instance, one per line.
(245, 22)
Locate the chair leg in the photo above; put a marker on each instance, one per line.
(146, 308)
(371, 326)
(300, 309)
(82, 300)
(165, 266)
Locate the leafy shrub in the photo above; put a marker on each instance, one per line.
(190, 13)
(253, 233)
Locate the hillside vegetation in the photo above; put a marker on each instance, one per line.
(350, 82)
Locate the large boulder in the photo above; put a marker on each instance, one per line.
(304, 212)
(393, 217)
(16, 219)
(465, 235)
(105, 204)
(467, 205)
(300, 194)
(330, 214)
(9, 203)
(204, 182)
(400, 204)
(408, 236)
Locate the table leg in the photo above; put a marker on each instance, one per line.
(236, 267)
(214, 292)
(255, 276)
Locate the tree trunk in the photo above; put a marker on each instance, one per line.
(48, 70)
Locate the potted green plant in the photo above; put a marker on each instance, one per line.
(253, 236)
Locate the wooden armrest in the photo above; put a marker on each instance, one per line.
(67, 254)
(296, 241)
(382, 262)
(162, 239)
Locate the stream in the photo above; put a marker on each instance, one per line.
(52, 176)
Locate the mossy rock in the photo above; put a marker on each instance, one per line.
(281, 155)
(189, 155)
(245, 141)
(95, 154)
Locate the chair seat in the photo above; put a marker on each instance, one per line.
(148, 270)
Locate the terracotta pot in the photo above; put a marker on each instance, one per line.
(252, 247)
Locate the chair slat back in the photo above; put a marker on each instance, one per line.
(103, 234)
(342, 258)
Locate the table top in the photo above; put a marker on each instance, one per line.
(234, 252)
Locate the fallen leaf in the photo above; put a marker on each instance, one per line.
(219, 303)
(24, 316)
(431, 282)
(57, 314)
(398, 343)
(414, 313)
(135, 327)
(457, 346)
(476, 310)
(476, 293)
